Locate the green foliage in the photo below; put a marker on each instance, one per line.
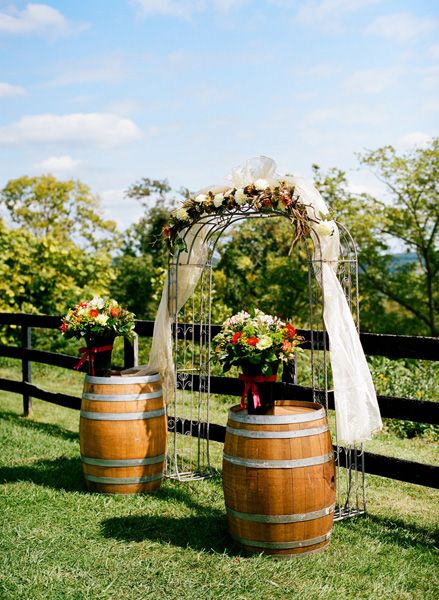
(394, 297)
(144, 255)
(257, 270)
(412, 218)
(63, 210)
(57, 251)
(407, 379)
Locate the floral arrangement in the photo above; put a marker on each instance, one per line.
(258, 339)
(98, 317)
(262, 195)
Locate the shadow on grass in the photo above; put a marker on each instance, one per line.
(393, 531)
(199, 532)
(61, 474)
(49, 428)
(205, 530)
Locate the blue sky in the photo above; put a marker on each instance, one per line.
(109, 91)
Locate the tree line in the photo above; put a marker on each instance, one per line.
(56, 247)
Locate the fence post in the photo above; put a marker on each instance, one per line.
(26, 368)
(131, 352)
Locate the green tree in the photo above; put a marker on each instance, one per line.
(65, 210)
(143, 260)
(55, 251)
(396, 297)
(259, 269)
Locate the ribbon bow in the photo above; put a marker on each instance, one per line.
(89, 353)
(250, 385)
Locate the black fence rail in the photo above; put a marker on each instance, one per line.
(391, 346)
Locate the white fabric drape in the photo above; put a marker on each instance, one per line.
(174, 297)
(356, 405)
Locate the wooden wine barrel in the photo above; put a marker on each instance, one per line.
(123, 433)
(279, 479)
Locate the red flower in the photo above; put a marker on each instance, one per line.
(252, 341)
(291, 330)
(83, 304)
(114, 311)
(64, 327)
(93, 312)
(267, 202)
(236, 337)
(166, 231)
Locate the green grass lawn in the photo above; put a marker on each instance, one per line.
(60, 542)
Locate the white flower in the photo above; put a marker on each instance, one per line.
(96, 302)
(264, 342)
(218, 199)
(201, 198)
(181, 214)
(261, 184)
(101, 319)
(325, 228)
(240, 197)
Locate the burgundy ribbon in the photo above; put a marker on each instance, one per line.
(89, 353)
(250, 385)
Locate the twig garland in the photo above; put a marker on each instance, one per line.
(262, 198)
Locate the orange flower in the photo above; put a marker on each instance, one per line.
(252, 341)
(114, 311)
(93, 312)
(287, 346)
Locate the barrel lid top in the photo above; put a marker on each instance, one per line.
(117, 379)
(288, 407)
(285, 411)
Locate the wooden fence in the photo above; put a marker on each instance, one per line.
(391, 346)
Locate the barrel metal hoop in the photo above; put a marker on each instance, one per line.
(243, 417)
(127, 462)
(122, 380)
(134, 416)
(123, 480)
(282, 545)
(124, 398)
(294, 518)
(277, 434)
(278, 464)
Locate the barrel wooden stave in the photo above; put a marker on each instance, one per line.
(106, 437)
(280, 495)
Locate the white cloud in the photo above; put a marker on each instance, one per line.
(110, 68)
(120, 208)
(329, 14)
(58, 164)
(401, 27)
(371, 81)
(102, 129)
(434, 51)
(8, 90)
(185, 9)
(430, 78)
(37, 18)
(432, 105)
(182, 9)
(415, 138)
(348, 114)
